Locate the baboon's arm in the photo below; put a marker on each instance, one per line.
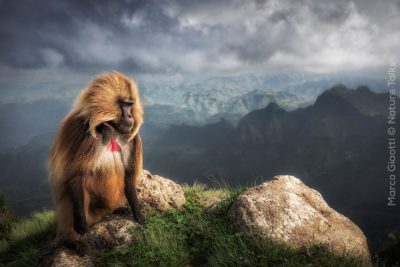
(77, 193)
(132, 176)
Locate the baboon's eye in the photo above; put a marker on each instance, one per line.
(126, 102)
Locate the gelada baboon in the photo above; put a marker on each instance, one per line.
(96, 160)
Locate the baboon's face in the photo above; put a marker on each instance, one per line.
(112, 102)
(125, 121)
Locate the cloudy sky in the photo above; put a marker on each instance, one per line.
(61, 39)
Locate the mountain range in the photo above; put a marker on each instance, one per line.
(208, 100)
(337, 145)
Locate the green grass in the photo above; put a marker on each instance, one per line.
(196, 236)
(193, 236)
(7, 219)
(26, 240)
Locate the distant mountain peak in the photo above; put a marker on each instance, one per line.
(339, 89)
(342, 90)
(363, 99)
(335, 94)
(273, 107)
(336, 100)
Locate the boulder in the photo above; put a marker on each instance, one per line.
(286, 210)
(158, 193)
(114, 231)
(155, 192)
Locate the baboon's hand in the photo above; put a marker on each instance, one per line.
(80, 225)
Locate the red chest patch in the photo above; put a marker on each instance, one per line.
(113, 146)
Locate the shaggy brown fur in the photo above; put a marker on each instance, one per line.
(88, 180)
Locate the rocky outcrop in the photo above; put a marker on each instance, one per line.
(159, 193)
(286, 210)
(104, 236)
(156, 193)
(283, 210)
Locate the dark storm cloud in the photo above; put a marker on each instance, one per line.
(30, 28)
(197, 36)
(331, 12)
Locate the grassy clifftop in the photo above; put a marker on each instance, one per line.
(201, 234)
